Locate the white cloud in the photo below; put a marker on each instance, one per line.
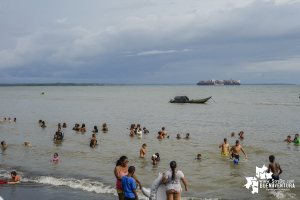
(61, 21)
(157, 52)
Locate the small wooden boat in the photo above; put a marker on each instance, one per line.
(185, 99)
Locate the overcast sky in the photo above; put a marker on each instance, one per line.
(149, 41)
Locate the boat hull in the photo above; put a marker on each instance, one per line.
(192, 101)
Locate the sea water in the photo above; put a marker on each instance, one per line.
(266, 114)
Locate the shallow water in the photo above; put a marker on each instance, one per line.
(267, 114)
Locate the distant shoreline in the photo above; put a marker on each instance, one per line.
(108, 84)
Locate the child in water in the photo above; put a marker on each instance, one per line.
(143, 150)
(274, 167)
(55, 158)
(198, 157)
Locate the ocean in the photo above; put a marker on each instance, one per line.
(266, 114)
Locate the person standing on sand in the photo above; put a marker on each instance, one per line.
(274, 167)
(235, 151)
(121, 170)
(225, 147)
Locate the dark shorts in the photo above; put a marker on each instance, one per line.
(275, 178)
(126, 198)
(236, 156)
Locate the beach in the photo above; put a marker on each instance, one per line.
(266, 114)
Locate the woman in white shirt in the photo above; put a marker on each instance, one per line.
(172, 179)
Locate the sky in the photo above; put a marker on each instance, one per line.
(149, 41)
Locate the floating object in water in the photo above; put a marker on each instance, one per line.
(157, 190)
(236, 160)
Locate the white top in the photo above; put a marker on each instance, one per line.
(173, 184)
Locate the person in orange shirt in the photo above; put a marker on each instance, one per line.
(14, 178)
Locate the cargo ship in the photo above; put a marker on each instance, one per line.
(218, 82)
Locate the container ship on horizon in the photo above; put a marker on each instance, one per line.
(217, 82)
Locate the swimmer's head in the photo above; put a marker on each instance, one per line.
(59, 129)
(296, 136)
(55, 155)
(144, 145)
(94, 135)
(104, 125)
(144, 128)
(59, 124)
(3, 143)
(92, 143)
(163, 128)
(237, 141)
(138, 125)
(83, 125)
(15, 119)
(232, 134)
(159, 132)
(178, 135)
(187, 134)
(199, 156)
(225, 139)
(26, 143)
(13, 174)
(289, 136)
(157, 155)
(95, 127)
(131, 169)
(272, 158)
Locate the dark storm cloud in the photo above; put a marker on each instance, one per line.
(155, 43)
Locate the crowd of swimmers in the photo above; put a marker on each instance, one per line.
(122, 170)
(9, 120)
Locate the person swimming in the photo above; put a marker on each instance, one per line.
(155, 158)
(43, 124)
(132, 133)
(241, 134)
(145, 130)
(160, 135)
(178, 136)
(95, 129)
(3, 144)
(59, 135)
(55, 158)
(93, 143)
(143, 150)
(15, 119)
(232, 134)
(83, 128)
(288, 139)
(104, 127)
(26, 143)
(187, 136)
(198, 157)
(64, 125)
